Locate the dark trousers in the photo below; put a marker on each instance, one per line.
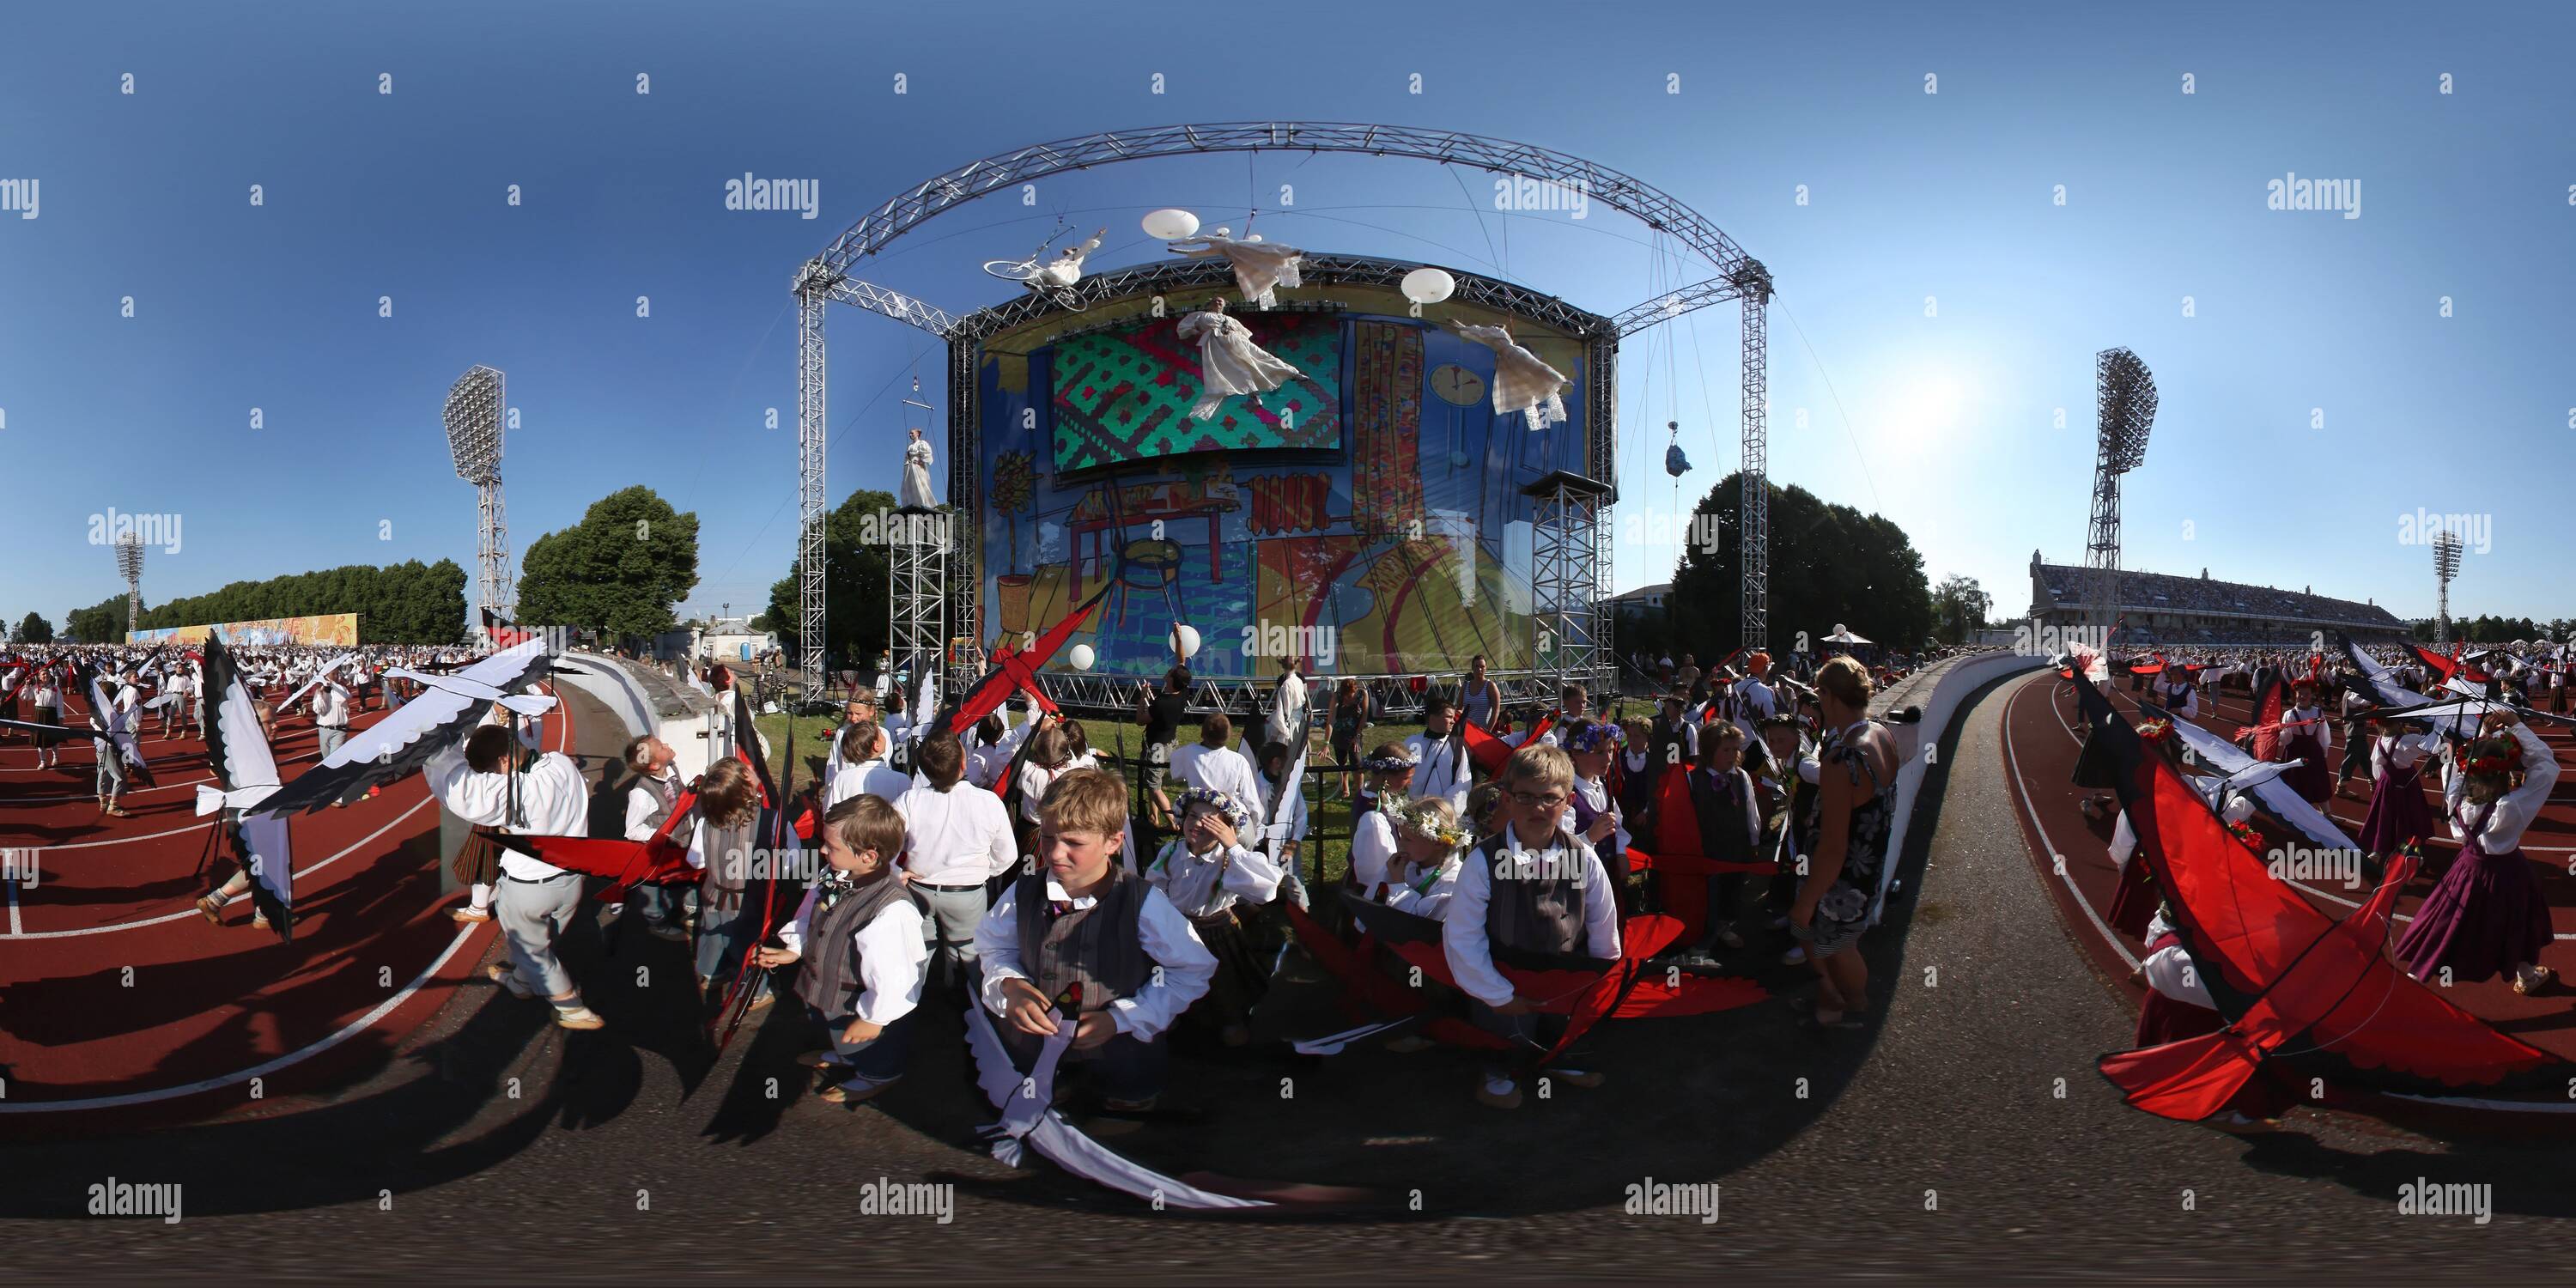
(879, 1059)
(1122, 1068)
(1530, 1033)
(2356, 758)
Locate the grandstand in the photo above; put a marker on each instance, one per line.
(2187, 612)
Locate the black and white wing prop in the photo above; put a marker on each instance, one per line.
(402, 742)
(318, 677)
(128, 748)
(1029, 1118)
(2258, 779)
(246, 774)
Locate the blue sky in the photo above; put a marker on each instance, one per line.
(1944, 423)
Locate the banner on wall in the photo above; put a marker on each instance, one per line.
(320, 629)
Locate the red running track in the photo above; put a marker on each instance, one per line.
(118, 1001)
(2040, 724)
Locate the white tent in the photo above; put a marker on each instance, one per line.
(1842, 635)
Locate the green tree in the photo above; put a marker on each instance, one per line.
(855, 585)
(620, 570)
(1829, 564)
(34, 629)
(1961, 605)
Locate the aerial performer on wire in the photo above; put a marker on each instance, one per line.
(1053, 278)
(1260, 268)
(1229, 362)
(1522, 382)
(914, 492)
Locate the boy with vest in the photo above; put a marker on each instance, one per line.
(1079, 928)
(860, 940)
(1730, 829)
(648, 803)
(1531, 888)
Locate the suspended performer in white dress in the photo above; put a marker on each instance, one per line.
(1260, 268)
(1229, 362)
(1522, 382)
(915, 489)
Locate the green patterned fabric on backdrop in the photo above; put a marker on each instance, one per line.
(1125, 394)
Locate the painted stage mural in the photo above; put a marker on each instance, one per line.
(326, 628)
(1367, 515)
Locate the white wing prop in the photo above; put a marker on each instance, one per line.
(2258, 779)
(246, 770)
(318, 677)
(526, 704)
(405, 739)
(1058, 1140)
(127, 745)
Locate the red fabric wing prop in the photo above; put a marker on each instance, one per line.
(1684, 893)
(624, 863)
(2156, 666)
(1016, 669)
(1485, 751)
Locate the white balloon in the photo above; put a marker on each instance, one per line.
(1185, 640)
(1252, 237)
(1428, 286)
(1171, 225)
(1081, 656)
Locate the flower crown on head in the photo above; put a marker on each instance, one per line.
(1222, 802)
(1388, 764)
(2245, 832)
(2494, 756)
(1416, 817)
(1596, 737)
(2155, 730)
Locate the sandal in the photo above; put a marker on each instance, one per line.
(212, 911)
(503, 974)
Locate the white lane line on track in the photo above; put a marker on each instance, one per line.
(2088, 908)
(13, 907)
(191, 910)
(2013, 755)
(347, 1031)
(139, 791)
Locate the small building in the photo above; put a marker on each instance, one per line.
(730, 639)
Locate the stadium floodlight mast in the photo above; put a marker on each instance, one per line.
(129, 565)
(2446, 565)
(476, 404)
(2124, 393)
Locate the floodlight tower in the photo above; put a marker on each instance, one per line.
(475, 405)
(2446, 565)
(2125, 408)
(129, 565)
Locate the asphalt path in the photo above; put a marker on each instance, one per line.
(1965, 1133)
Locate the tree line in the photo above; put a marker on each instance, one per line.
(405, 603)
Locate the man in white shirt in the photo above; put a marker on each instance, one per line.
(956, 839)
(331, 717)
(869, 776)
(1440, 765)
(1217, 767)
(1287, 706)
(491, 781)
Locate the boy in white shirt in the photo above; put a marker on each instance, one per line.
(860, 941)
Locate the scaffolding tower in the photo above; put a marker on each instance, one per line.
(1569, 514)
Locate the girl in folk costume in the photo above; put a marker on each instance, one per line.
(2398, 816)
(1428, 839)
(2178, 1006)
(2306, 739)
(1206, 872)
(728, 811)
(2175, 692)
(1373, 835)
(1634, 773)
(860, 940)
(2488, 915)
(2134, 899)
(1596, 814)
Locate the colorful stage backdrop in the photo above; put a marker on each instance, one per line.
(328, 628)
(1367, 516)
